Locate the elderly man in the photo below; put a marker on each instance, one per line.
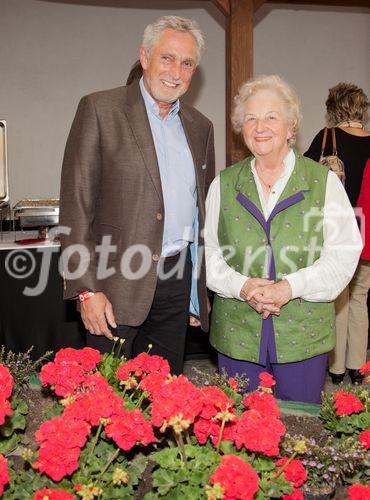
(136, 169)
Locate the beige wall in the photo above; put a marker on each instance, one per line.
(313, 48)
(53, 52)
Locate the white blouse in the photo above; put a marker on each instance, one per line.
(326, 277)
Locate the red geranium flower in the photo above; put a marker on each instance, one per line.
(143, 364)
(87, 357)
(92, 406)
(296, 495)
(64, 377)
(178, 398)
(66, 431)
(266, 380)
(233, 384)
(259, 433)
(6, 382)
(67, 373)
(364, 439)
(4, 474)
(205, 428)
(129, 428)
(294, 471)
(347, 403)
(57, 461)
(152, 383)
(264, 402)
(236, 477)
(51, 494)
(214, 400)
(365, 368)
(359, 492)
(95, 382)
(5, 409)
(60, 440)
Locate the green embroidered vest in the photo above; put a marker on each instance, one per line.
(303, 329)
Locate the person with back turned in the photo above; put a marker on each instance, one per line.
(346, 107)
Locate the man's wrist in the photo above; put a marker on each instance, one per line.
(84, 296)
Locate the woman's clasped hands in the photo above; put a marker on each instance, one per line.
(266, 296)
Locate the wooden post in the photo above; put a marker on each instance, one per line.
(239, 67)
(223, 6)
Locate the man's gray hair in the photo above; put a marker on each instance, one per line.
(182, 24)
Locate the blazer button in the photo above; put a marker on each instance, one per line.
(155, 257)
(159, 216)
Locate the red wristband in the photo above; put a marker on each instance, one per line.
(84, 296)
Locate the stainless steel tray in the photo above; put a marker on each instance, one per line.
(44, 204)
(4, 187)
(33, 213)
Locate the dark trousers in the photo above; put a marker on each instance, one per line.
(166, 324)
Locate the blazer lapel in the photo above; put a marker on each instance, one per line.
(139, 123)
(192, 136)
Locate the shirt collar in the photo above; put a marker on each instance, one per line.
(153, 107)
(288, 162)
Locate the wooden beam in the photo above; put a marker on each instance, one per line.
(326, 3)
(239, 67)
(257, 4)
(223, 6)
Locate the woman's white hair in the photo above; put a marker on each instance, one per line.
(182, 24)
(278, 86)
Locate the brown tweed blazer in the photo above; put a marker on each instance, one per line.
(111, 186)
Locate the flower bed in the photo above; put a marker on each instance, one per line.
(115, 420)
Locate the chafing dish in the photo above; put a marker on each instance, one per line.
(37, 213)
(4, 186)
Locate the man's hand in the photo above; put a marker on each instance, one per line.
(96, 314)
(279, 293)
(193, 321)
(261, 304)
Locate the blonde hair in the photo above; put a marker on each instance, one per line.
(346, 101)
(273, 83)
(177, 23)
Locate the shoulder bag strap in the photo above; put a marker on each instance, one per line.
(334, 140)
(323, 143)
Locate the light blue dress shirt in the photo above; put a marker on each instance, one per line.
(179, 189)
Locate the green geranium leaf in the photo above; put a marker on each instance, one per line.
(205, 459)
(140, 462)
(108, 367)
(129, 405)
(20, 406)
(167, 458)
(198, 478)
(117, 491)
(273, 487)
(262, 464)
(12, 423)
(164, 480)
(55, 411)
(151, 496)
(8, 445)
(227, 448)
(185, 492)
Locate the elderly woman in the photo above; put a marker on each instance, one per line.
(346, 108)
(281, 243)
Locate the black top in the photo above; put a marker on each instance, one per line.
(353, 150)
